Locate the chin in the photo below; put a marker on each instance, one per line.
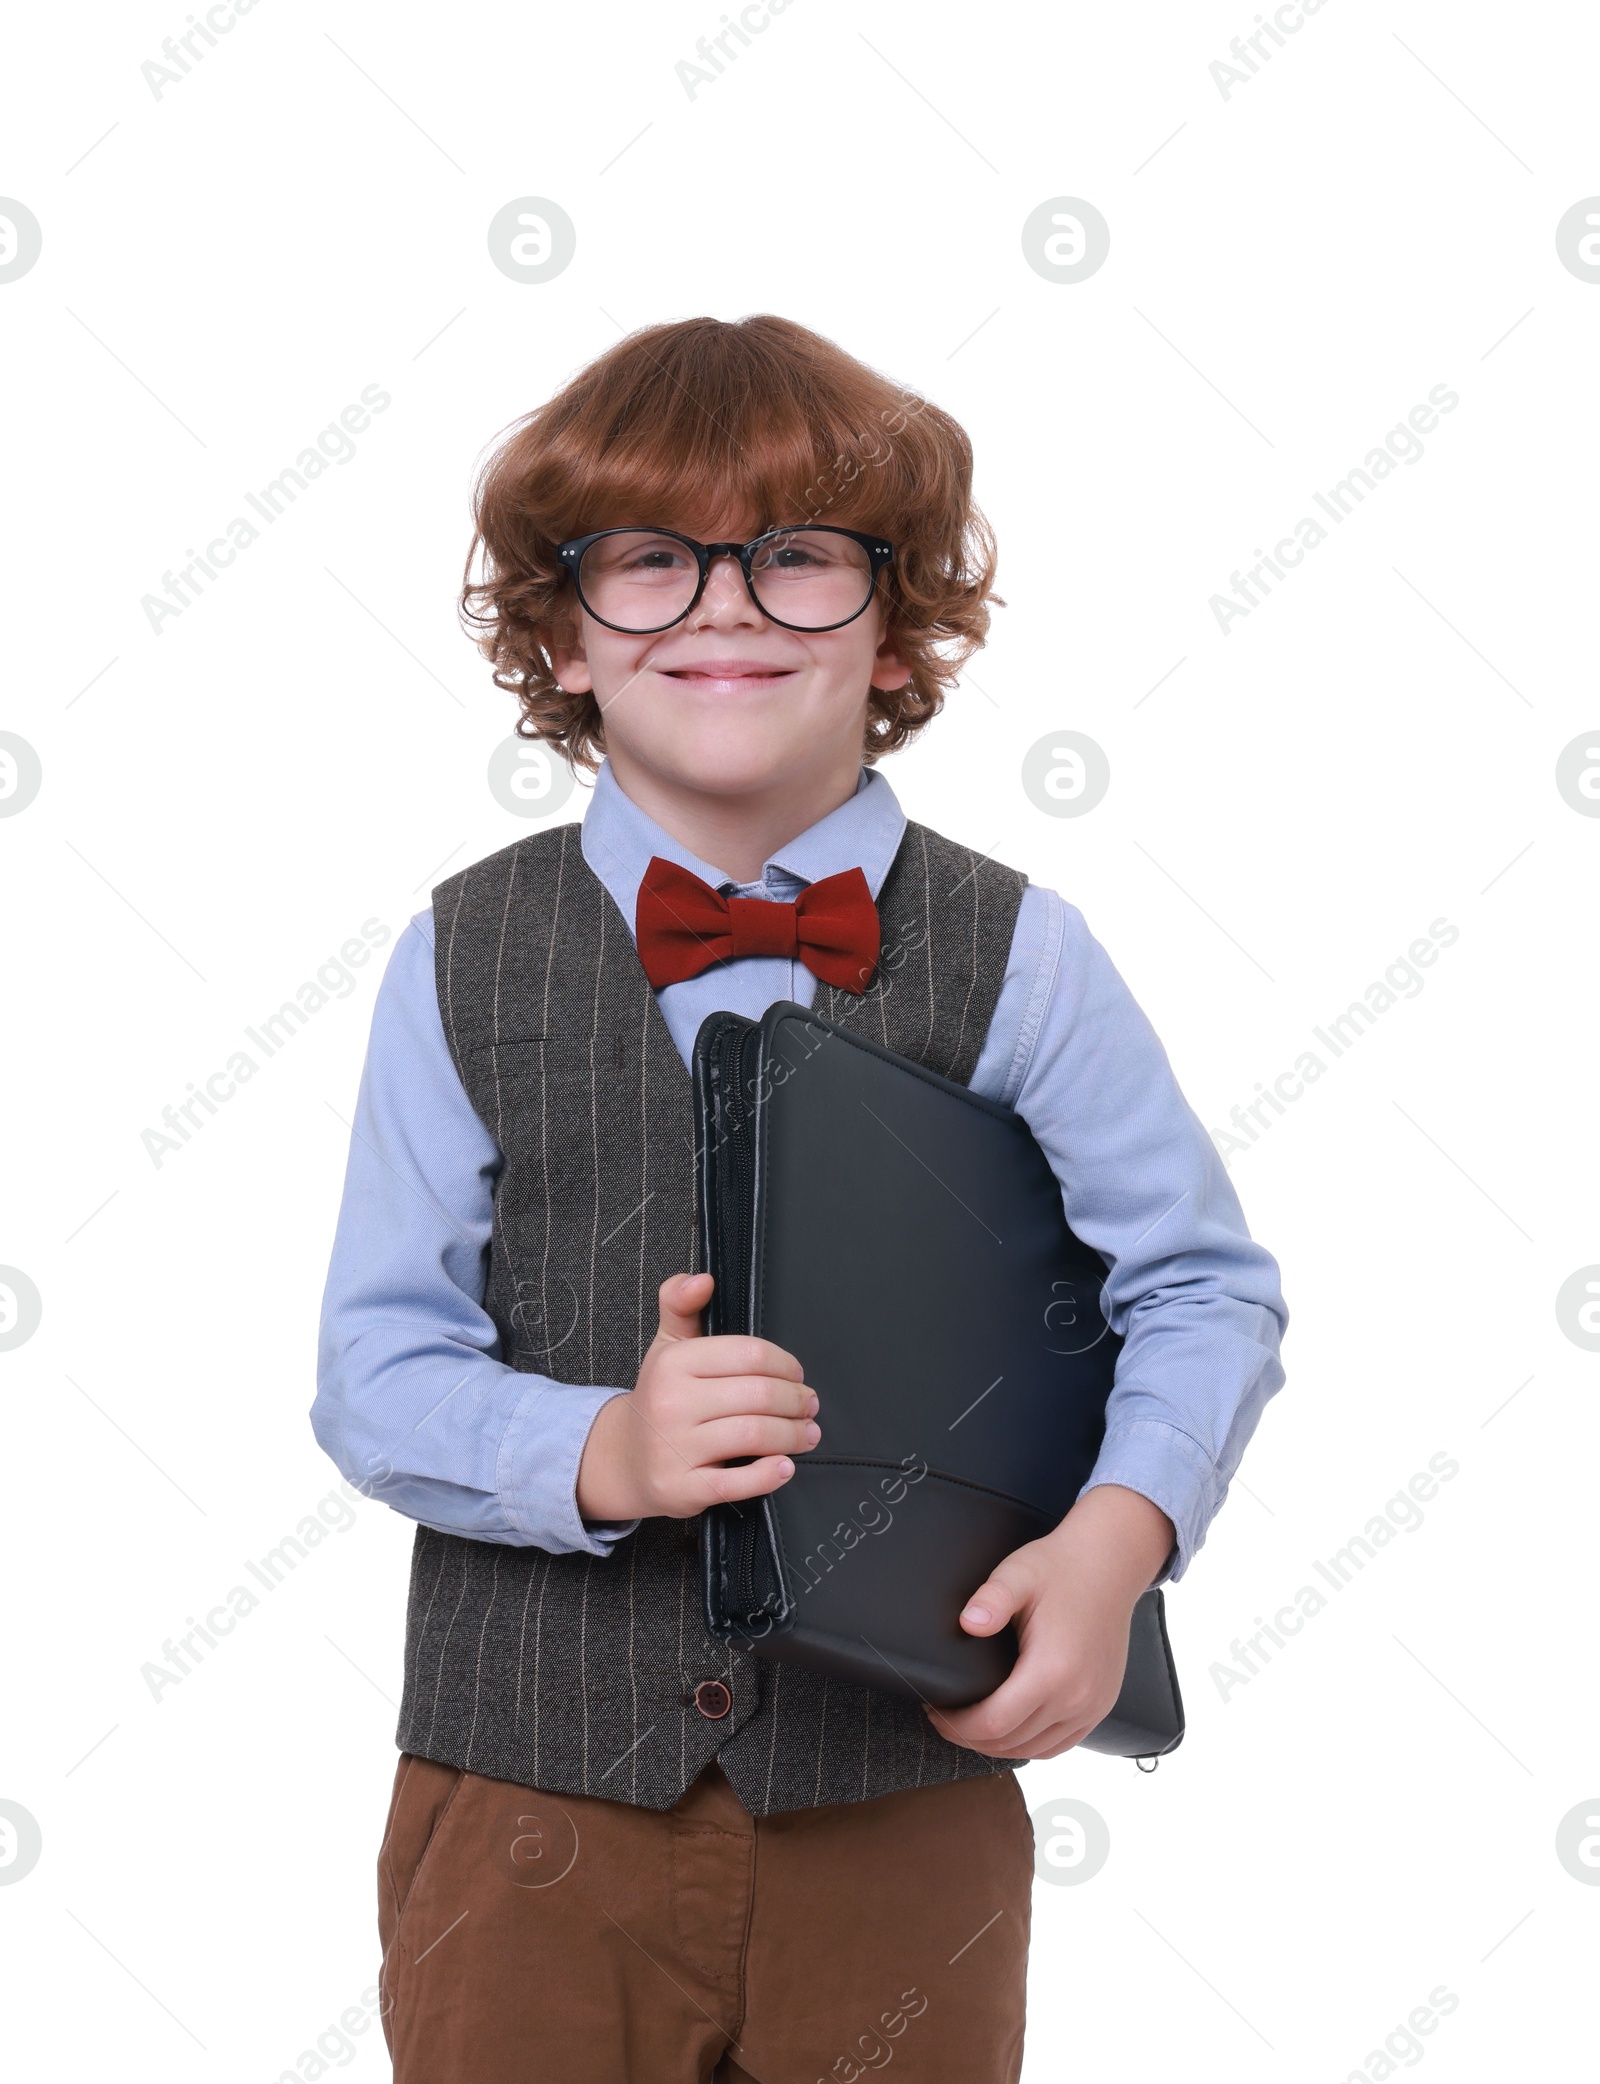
(724, 770)
(721, 756)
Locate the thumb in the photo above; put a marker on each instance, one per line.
(681, 1298)
(990, 1607)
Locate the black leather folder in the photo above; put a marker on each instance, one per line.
(905, 1240)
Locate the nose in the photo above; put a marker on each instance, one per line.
(726, 602)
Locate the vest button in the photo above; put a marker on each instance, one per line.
(712, 1699)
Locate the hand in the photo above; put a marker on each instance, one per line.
(659, 1452)
(1071, 1596)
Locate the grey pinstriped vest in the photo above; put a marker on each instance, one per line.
(575, 1672)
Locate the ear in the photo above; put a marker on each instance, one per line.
(569, 656)
(889, 670)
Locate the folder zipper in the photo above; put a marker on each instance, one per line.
(733, 1160)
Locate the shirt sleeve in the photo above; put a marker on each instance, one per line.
(1195, 1299)
(413, 1402)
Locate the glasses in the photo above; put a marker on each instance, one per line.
(641, 580)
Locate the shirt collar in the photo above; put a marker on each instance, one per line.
(618, 839)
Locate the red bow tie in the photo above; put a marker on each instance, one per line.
(683, 926)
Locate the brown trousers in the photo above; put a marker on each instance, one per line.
(530, 1936)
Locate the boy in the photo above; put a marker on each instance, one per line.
(743, 567)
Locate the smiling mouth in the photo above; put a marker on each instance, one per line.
(729, 672)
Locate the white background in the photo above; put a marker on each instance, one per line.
(224, 268)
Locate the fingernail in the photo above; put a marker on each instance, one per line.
(813, 1433)
(979, 1614)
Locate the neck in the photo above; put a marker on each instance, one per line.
(739, 830)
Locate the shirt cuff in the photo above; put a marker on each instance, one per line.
(1172, 1471)
(537, 1469)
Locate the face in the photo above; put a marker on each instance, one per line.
(726, 702)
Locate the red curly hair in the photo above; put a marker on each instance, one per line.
(684, 422)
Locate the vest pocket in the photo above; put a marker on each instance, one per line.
(572, 1057)
(514, 1052)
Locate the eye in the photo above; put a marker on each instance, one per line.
(797, 553)
(637, 556)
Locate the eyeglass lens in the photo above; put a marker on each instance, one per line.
(639, 580)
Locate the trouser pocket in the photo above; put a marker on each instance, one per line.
(423, 1793)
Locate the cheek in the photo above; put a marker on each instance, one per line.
(843, 660)
(612, 659)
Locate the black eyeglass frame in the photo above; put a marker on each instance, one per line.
(879, 555)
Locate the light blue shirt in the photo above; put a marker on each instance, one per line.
(413, 1401)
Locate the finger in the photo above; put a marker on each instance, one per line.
(1018, 1713)
(1056, 1738)
(721, 1439)
(1000, 1715)
(731, 1353)
(762, 1396)
(680, 1299)
(978, 1733)
(1066, 1736)
(990, 1607)
(1006, 1744)
(1020, 1740)
(748, 1480)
